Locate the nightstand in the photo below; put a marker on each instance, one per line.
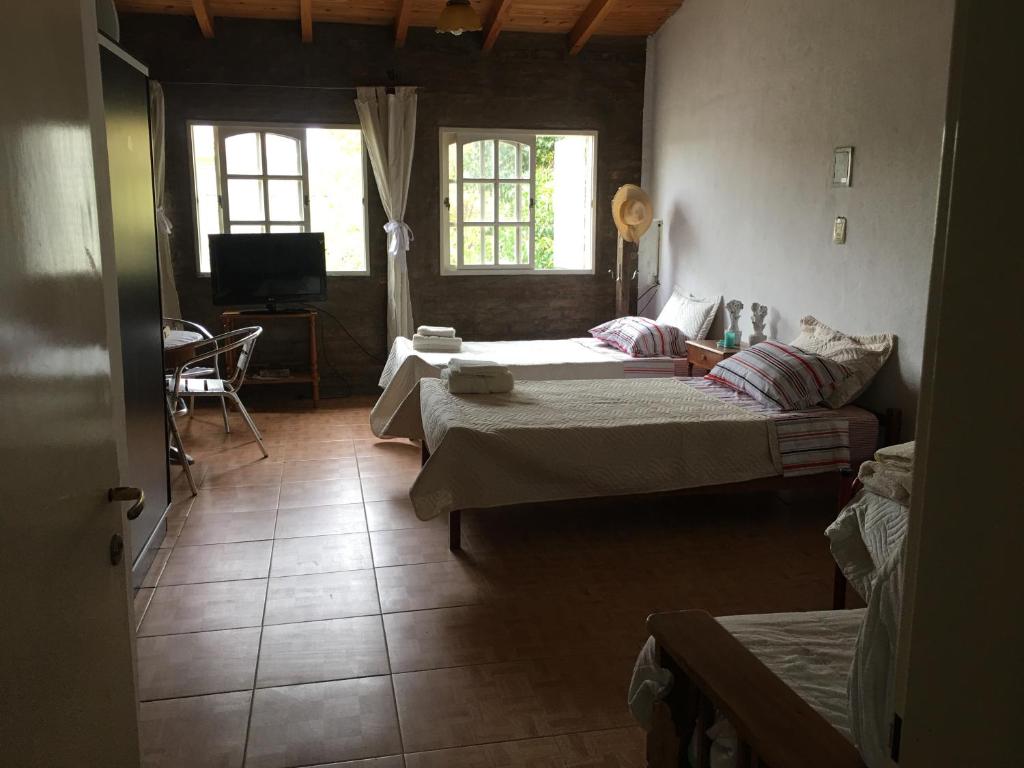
(706, 354)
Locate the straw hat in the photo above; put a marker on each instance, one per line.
(632, 212)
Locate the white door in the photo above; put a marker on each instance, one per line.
(67, 693)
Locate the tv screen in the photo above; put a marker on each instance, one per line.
(267, 269)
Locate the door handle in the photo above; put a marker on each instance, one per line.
(127, 493)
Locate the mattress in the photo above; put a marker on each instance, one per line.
(551, 359)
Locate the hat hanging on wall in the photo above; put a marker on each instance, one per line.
(632, 212)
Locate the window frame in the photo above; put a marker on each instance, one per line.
(295, 130)
(463, 135)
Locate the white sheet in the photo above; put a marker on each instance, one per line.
(552, 359)
(551, 440)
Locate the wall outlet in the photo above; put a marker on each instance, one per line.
(839, 230)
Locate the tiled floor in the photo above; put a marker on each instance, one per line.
(300, 614)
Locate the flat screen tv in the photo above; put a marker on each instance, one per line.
(271, 270)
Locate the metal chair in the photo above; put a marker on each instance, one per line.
(189, 333)
(240, 341)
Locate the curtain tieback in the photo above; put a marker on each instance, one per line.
(399, 237)
(162, 221)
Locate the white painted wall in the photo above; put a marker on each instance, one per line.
(750, 97)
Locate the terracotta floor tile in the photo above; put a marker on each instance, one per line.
(218, 562)
(309, 450)
(517, 700)
(322, 722)
(319, 469)
(321, 596)
(198, 663)
(227, 528)
(398, 514)
(459, 636)
(394, 462)
(320, 521)
(156, 568)
(430, 585)
(322, 650)
(140, 603)
(374, 447)
(410, 546)
(199, 732)
(320, 493)
(321, 554)
(202, 607)
(528, 753)
(392, 761)
(256, 498)
(387, 487)
(260, 473)
(617, 748)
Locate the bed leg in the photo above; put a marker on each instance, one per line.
(455, 530)
(838, 590)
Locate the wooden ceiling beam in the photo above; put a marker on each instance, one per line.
(202, 12)
(306, 20)
(499, 15)
(588, 24)
(402, 22)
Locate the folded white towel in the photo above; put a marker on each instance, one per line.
(470, 384)
(436, 343)
(887, 480)
(443, 331)
(900, 456)
(476, 367)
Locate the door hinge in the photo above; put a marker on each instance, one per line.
(895, 732)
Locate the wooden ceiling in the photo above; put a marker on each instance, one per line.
(577, 19)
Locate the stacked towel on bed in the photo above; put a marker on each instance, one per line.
(441, 331)
(891, 474)
(436, 338)
(477, 377)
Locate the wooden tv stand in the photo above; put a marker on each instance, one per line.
(234, 318)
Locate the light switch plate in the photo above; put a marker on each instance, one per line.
(839, 230)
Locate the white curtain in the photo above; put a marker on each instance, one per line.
(168, 289)
(388, 121)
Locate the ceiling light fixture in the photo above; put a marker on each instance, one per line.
(457, 17)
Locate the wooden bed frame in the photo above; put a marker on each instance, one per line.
(712, 671)
(890, 426)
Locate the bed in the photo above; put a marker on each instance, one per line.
(786, 689)
(549, 441)
(551, 359)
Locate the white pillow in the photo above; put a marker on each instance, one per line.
(863, 355)
(691, 315)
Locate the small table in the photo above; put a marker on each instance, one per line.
(311, 375)
(707, 354)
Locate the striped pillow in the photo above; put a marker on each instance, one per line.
(640, 337)
(780, 376)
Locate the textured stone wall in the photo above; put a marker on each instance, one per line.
(528, 81)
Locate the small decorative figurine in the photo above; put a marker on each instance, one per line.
(758, 314)
(732, 333)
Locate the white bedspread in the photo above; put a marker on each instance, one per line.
(553, 440)
(551, 359)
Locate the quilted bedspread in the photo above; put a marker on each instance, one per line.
(552, 440)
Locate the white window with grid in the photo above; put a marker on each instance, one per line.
(517, 202)
(277, 178)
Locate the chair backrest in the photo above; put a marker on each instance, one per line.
(241, 339)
